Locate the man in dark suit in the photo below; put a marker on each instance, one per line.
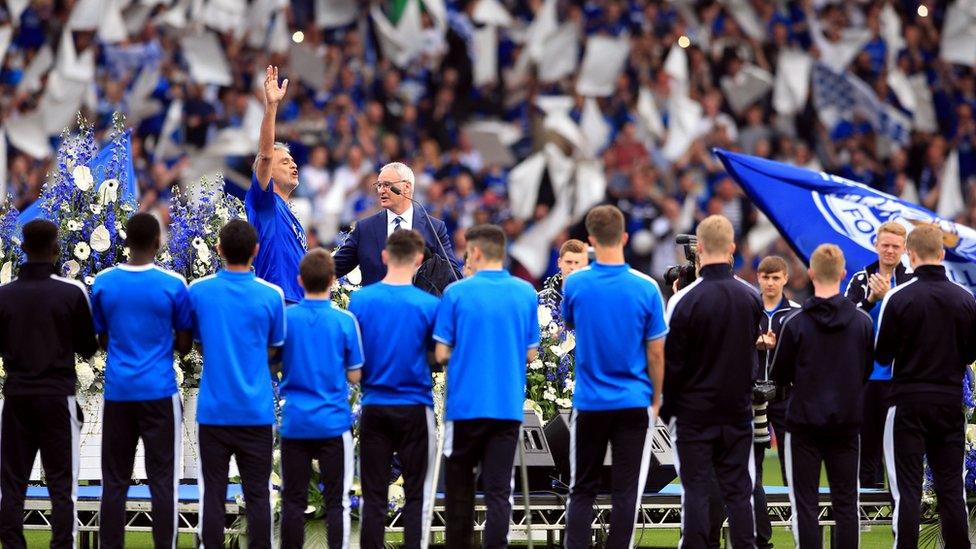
(367, 241)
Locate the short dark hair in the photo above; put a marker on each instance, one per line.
(141, 232)
(606, 225)
(490, 239)
(317, 270)
(773, 264)
(237, 241)
(404, 246)
(40, 240)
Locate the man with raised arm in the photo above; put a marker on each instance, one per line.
(280, 234)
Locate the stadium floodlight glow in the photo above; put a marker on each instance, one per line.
(923, 10)
(684, 41)
(298, 37)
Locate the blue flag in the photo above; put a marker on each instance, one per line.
(810, 208)
(99, 164)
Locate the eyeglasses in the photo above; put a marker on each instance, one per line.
(381, 185)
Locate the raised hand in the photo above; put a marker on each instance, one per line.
(273, 93)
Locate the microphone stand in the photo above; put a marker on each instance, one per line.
(396, 190)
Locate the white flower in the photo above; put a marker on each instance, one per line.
(71, 268)
(198, 243)
(89, 280)
(98, 362)
(179, 373)
(125, 252)
(549, 394)
(6, 272)
(82, 177)
(74, 225)
(165, 258)
(203, 255)
(108, 192)
(86, 376)
(570, 386)
(82, 250)
(122, 233)
(535, 364)
(545, 316)
(566, 346)
(223, 214)
(564, 403)
(95, 208)
(100, 239)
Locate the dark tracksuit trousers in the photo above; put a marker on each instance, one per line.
(411, 432)
(716, 508)
(159, 423)
(335, 457)
(875, 410)
(251, 446)
(488, 444)
(51, 424)
(806, 450)
(706, 453)
(628, 432)
(914, 431)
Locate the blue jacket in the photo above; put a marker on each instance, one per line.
(368, 240)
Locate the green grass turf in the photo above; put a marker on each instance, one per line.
(877, 538)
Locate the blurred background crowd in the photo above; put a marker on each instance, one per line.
(523, 113)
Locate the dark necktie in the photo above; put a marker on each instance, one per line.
(396, 223)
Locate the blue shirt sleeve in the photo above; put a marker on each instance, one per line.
(532, 336)
(277, 334)
(354, 345)
(182, 312)
(655, 327)
(444, 329)
(98, 314)
(261, 200)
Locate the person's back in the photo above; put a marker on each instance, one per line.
(491, 315)
(829, 348)
(233, 314)
(45, 320)
(322, 339)
(395, 372)
(936, 338)
(927, 330)
(140, 307)
(237, 318)
(717, 321)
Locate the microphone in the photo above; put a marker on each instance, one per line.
(396, 190)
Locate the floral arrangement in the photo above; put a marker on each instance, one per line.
(11, 255)
(191, 246)
(86, 205)
(550, 382)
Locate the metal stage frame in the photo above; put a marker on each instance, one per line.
(548, 514)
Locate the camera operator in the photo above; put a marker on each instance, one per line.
(825, 353)
(710, 358)
(866, 289)
(927, 326)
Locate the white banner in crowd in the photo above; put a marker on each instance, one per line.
(603, 62)
(561, 51)
(485, 45)
(748, 85)
(649, 114)
(491, 12)
(206, 59)
(959, 33)
(792, 86)
(335, 13)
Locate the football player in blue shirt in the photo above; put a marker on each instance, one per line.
(487, 329)
(280, 233)
(322, 351)
(397, 320)
(237, 317)
(140, 312)
(618, 386)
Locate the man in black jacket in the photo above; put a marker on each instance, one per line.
(866, 289)
(44, 321)
(927, 329)
(824, 354)
(710, 358)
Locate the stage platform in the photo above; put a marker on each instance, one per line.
(548, 511)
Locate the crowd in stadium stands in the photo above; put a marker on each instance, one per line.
(368, 112)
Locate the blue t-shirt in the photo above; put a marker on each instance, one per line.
(323, 342)
(236, 316)
(397, 324)
(615, 310)
(491, 321)
(281, 236)
(140, 307)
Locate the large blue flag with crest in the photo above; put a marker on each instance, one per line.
(810, 208)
